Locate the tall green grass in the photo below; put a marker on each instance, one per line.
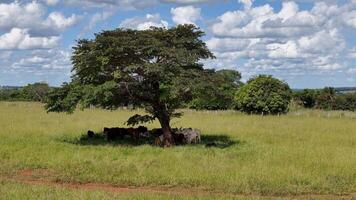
(301, 152)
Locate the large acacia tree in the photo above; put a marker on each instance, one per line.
(154, 69)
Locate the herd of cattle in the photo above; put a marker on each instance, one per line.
(181, 136)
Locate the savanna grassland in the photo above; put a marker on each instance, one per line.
(306, 152)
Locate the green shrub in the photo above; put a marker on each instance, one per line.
(326, 99)
(264, 95)
(307, 97)
(345, 102)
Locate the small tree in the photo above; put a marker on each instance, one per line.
(36, 91)
(326, 98)
(152, 68)
(264, 95)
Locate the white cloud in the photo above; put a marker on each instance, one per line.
(5, 55)
(57, 20)
(133, 4)
(352, 53)
(98, 17)
(20, 39)
(227, 44)
(350, 18)
(186, 15)
(15, 14)
(120, 4)
(44, 60)
(247, 3)
(324, 41)
(188, 1)
(286, 50)
(32, 16)
(288, 41)
(142, 23)
(262, 21)
(49, 65)
(51, 2)
(352, 70)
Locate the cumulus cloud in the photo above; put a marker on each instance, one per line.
(45, 60)
(15, 14)
(59, 21)
(99, 17)
(142, 23)
(352, 70)
(51, 2)
(49, 65)
(352, 53)
(133, 4)
(20, 39)
(123, 5)
(188, 1)
(247, 3)
(185, 15)
(28, 25)
(350, 18)
(290, 40)
(262, 21)
(32, 16)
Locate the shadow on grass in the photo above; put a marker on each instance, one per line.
(208, 141)
(218, 141)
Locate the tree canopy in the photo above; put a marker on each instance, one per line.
(154, 69)
(264, 95)
(216, 90)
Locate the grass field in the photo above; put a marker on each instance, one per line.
(302, 153)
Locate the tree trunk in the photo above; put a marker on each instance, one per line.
(168, 140)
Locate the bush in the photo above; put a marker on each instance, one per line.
(307, 98)
(264, 95)
(36, 91)
(345, 102)
(326, 99)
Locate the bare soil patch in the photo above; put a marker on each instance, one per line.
(47, 177)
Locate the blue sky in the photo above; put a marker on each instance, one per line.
(307, 43)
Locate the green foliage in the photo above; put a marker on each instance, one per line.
(264, 95)
(137, 119)
(326, 99)
(11, 94)
(307, 97)
(329, 99)
(215, 90)
(64, 98)
(31, 92)
(141, 68)
(36, 91)
(345, 102)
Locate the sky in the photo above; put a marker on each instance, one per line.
(307, 43)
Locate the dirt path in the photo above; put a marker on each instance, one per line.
(46, 177)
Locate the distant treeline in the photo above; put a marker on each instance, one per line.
(31, 92)
(327, 99)
(228, 92)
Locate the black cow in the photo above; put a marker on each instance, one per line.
(90, 134)
(179, 138)
(156, 132)
(115, 133)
